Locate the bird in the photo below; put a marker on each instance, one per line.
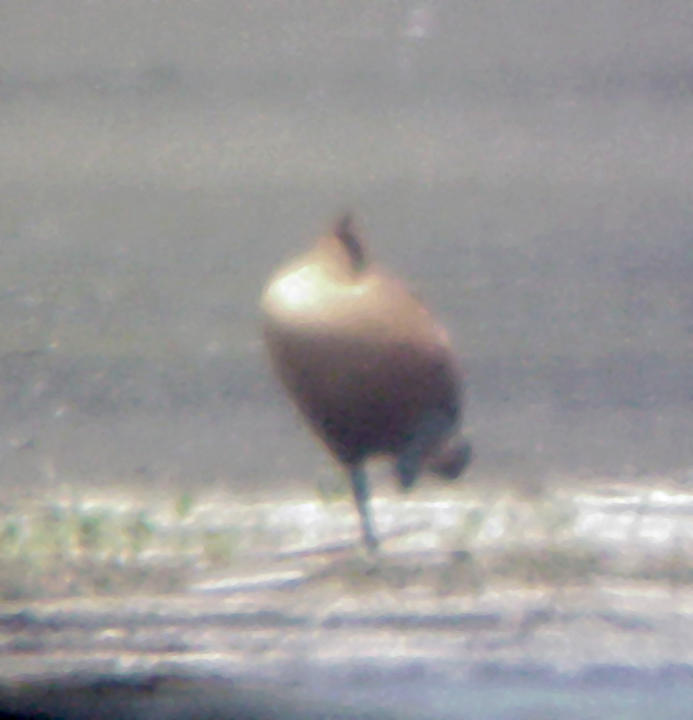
(366, 363)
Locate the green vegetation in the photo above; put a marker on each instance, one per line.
(85, 548)
(494, 540)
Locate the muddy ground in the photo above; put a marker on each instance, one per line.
(480, 607)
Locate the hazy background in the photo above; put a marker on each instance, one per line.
(527, 165)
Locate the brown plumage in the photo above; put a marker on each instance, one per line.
(366, 363)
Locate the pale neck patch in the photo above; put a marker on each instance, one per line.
(309, 288)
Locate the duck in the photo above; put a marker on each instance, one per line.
(366, 363)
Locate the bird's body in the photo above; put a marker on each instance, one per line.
(365, 362)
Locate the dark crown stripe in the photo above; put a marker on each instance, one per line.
(345, 232)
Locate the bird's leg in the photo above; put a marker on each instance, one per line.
(359, 487)
(433, 425)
